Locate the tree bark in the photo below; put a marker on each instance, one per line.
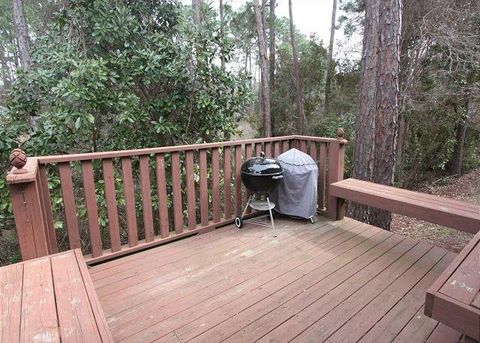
(197, 17)
(272, 44)
(267, 123)
(222, 58)
(5, 71)
(298, 76)
(376, 124)
(460, 133)
(21, 28)
(330, 68)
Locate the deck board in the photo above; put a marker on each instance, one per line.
(332, 281)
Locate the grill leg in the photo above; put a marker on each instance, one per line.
(246, 206)
(271, 217)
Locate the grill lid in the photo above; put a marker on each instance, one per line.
(260, 166)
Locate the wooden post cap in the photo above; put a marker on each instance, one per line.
(18, 159)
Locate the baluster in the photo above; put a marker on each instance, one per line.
(276, 149)
(177, 193)
(162, 195)
(216, 185)
(92, 210)
(69, 205)
(322, 176)
(227, 174)
(129, 193)
(146, 198)
(111, 199)
(190, 179)
(268, 149)
(47, 209)
(286, 145)
(203, 187)
(238, 181)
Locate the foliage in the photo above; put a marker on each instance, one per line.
(110, 75)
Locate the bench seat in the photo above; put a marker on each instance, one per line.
(434, 209)
(50, 299)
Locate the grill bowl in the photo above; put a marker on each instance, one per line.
(261, 175)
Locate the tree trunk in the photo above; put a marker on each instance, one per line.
(197, 17)
(297, 74)
(376, 124)
(21, 29)
(222, 58)
(330, 68)
(272, 44)
(5, 71)
(267, 124)
(460, 133)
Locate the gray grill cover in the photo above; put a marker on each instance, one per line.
(297, 193)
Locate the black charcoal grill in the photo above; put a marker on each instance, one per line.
(260, 176)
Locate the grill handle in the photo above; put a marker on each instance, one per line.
(277, 177)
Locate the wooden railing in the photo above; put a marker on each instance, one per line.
(179, 191)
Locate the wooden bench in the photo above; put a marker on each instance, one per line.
(454, 298)
(50, 299)
(448, 212)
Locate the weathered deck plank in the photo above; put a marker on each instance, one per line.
(312, 283)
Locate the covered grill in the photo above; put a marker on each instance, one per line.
(261, 176)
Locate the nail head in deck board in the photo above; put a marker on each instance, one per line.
(203, 187)
(111, 200)
(227, 174)
(92, 210)
(11, 285)
(69, 205)
(238, 180)
(190, 179)
(162, 195)
(129, 193)
(216, 184)
(146, 198)
(177, 193)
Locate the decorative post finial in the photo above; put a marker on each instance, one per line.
(340, 133)
(18, 159)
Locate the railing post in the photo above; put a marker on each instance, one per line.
(336, 164)
(24, 184)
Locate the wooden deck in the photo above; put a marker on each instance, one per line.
(332, 281)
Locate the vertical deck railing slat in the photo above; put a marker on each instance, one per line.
(313, 151)
(92, 209)
(216, 184)
(238, 181)
(336, 162)
(162, 195)
(47, 209)
(276, 149)
(227, 175)
(248, 155)
(286, 146)
(129, 193)
(111, 200)
(146, 198)
(203, 187)
(258, 149)
(70, 208)
(321, 175)
(268, 149)
(303, 145)
(177, 193)
(190, 180)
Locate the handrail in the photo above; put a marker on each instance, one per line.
(167, 149)
(117, 202)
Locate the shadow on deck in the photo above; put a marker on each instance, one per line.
(338, 281)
